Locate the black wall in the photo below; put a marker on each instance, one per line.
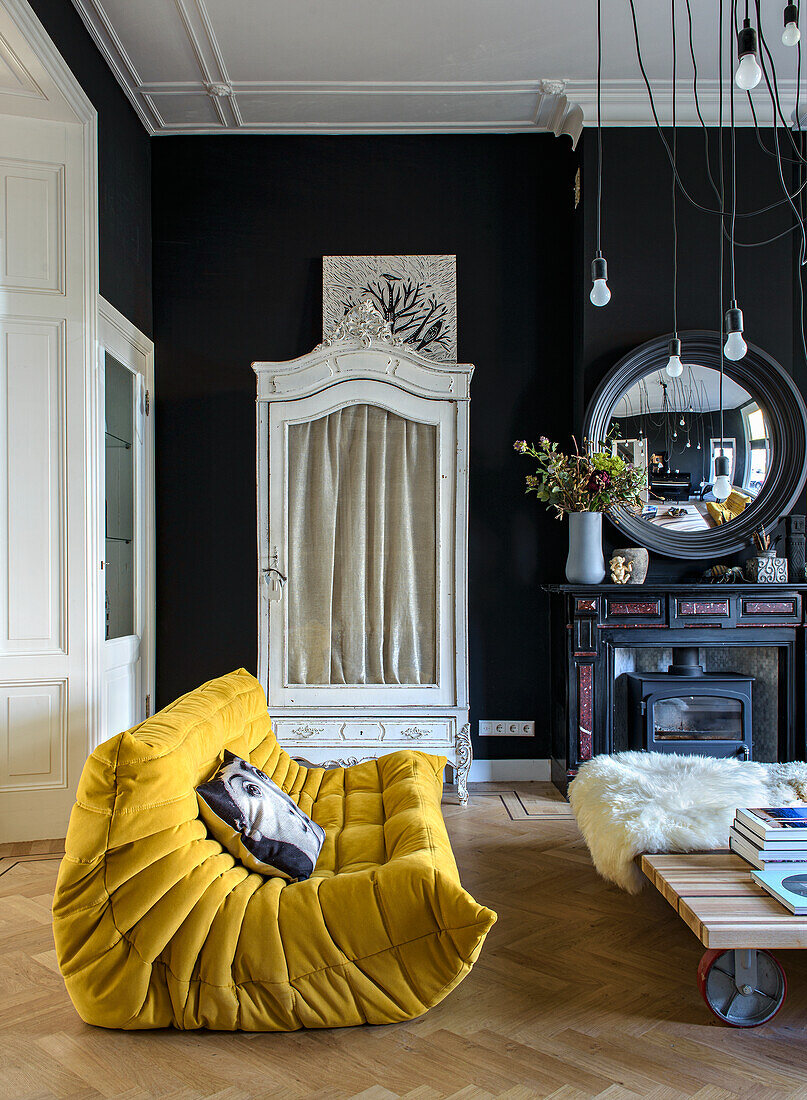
(637, 242)
(690, 460)
(240, 227)
(124, 168)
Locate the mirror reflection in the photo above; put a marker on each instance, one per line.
(671, 428)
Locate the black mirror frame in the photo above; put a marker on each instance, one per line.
(784, 408)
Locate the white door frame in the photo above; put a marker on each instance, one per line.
(52, 93)
(118, 336)
(38, 40)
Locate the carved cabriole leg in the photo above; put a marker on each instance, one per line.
(463, 755)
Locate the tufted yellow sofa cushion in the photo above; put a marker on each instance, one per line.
(157, 925)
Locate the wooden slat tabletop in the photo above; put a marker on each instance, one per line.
(715, 896)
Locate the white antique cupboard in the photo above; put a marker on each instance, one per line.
(362, 544)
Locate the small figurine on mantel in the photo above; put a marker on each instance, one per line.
(620, 569)
(629, 566)
(724, 574)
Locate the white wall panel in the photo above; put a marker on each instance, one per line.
(33, 237)
(14, 76)
(32, 735)
(31, 485)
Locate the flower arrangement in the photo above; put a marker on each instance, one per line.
(592, 482)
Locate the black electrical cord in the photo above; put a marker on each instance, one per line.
(665, 143)
(698, 105)
(761, 143)
(733, 167)
(773, 92)
(799, 193)
(737, 244)
(722, 206)
(599, 125)
(674, 184)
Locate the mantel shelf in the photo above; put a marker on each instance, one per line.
(634, 590)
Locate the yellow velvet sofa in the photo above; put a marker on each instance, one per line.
(735, 503)
(157, 925)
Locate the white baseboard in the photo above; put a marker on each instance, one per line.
(505, 771)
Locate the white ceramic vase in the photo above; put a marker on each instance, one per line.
(585, 563)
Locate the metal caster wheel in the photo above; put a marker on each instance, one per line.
(743, 988)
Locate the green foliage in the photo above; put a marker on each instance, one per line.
(592, 482)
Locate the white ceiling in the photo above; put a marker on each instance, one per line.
(412, 66)
(698, 385)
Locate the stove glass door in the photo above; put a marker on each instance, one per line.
(698, 718)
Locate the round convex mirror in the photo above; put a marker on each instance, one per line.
(670, 426)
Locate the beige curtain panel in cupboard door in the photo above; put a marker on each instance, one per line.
(362, 499)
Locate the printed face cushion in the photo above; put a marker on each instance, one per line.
(257, 822)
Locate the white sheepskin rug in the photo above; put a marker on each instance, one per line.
(634, 802)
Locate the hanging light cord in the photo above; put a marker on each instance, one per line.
(722, 209)
(791, 228)
(733, 222)
(674, 183)
(773, 92)
(599, 125)
(665, 143)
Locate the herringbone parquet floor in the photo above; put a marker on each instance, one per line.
(580, 992)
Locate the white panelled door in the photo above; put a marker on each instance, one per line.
(47, 237)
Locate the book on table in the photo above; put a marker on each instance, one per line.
(762, 857)
(787, 885)
(787, 824)
(793, 840)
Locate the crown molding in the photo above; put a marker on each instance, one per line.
(552, 110)
(625, 102)
(115, 55)
(560, 106)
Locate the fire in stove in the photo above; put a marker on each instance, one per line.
(687, 710)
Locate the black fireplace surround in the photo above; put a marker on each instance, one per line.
(674, 709)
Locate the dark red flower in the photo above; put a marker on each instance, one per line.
(598, 481)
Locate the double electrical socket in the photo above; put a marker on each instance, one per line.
(505, 728)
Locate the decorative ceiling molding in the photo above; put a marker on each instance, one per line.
(537, 106)
(625, 102)
(217, 103)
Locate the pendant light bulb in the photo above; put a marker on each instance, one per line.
(722, 485)
(748, 71)
(735, 346)
(791, 35)
(675, 367)
(600, 294)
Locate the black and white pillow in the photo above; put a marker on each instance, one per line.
(257, 822)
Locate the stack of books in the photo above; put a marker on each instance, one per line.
(774, 840)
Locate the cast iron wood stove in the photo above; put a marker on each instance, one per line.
(687, 710)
